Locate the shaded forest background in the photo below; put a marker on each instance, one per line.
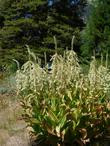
(36, 22)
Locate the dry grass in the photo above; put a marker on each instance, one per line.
(12, 128)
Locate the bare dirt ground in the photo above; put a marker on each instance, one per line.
(13, 131)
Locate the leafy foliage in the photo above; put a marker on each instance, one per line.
(64, 106)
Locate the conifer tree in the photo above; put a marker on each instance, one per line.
(96, 36)
(35, 23)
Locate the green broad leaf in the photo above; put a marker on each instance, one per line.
(76, 114)
(53, 104)
(62, 121)
(35, 121)
(74, 125)
(66, 126)
(48, 126)
(101, 99)
(48, 121)
(52, 116)
(69, 95)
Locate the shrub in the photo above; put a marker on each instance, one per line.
(64, 106)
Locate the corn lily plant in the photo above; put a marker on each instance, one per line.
(63, 106)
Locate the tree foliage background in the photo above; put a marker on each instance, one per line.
(96, 35)
(34, 23)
